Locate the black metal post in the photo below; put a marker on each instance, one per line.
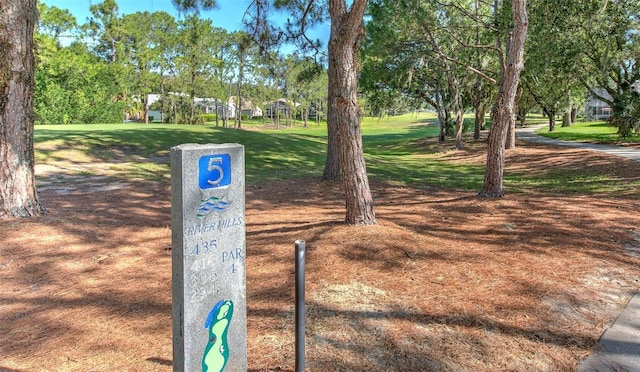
(300, 306)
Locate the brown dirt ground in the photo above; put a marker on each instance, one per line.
(445, 281)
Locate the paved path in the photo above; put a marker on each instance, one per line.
(619, 346)
(528, 134)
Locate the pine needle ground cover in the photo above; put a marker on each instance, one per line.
(445, 281)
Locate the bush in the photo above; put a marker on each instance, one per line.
(208, 117)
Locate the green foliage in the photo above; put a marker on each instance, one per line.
(71, 87)
(54, 21)
(208, 118)
(105, 26)
(610, 42)
(177, 110)
(194, 5)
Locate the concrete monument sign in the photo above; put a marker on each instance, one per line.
(208, 245)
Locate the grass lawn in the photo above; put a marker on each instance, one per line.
(402, 150)
(591, 131)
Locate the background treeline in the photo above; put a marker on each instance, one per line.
(102, 71)
(417, 54)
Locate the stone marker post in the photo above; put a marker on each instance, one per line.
(208, 258)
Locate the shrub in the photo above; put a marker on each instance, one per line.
(208, 117)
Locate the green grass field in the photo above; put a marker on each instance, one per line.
(391, 146)
(593, 131)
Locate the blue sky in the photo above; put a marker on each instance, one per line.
(227, 15)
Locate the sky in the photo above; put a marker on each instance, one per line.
(227, 15)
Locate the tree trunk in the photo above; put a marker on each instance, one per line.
(459, 127)
(192, 104)
(510, 140)
(162, 98)
(551, 115)
(478, 88)
(479, 110)
(218, 112)
(239, 88)
(225, 115)
(566, 119)
(305, 114)
(145, 110)
(448, 127)
(522, 116)
(18, 194)
(503, 111)
(574, 114)
(483, 111)
(479, 120)
(346, 29)
(332, 164)
(442, 117)
(457, 106)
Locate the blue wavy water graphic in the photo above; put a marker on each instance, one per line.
(213, 204)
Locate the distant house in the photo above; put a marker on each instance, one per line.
(153, 114)
(248, 108)
(215, 106)
(208, 106)
(596, 109)
(281, 105)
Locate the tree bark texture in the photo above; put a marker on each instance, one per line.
(344, 113)
(510, 141)
(478, 109)
(18, 195)
(502, 114)
(566, 119)
(332, 163)
(551, 116)
(452, 82)
(442, 117)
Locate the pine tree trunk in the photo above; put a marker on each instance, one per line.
(239, 88)
(503, 111)
(510, 141)
(145, 111)
(18, 194)
(346, 29)
(511, 132)
(477, 104)
(483, 122)
(332, 163)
